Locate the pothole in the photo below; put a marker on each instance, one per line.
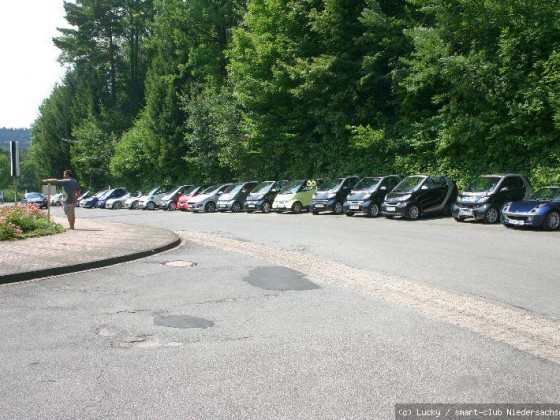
(182, 321)
(180, 263)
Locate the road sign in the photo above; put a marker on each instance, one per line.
(14, 158)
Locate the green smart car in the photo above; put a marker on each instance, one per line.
(295, 196)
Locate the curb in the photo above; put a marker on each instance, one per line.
(56, 271)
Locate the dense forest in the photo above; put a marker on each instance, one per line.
(213, 90)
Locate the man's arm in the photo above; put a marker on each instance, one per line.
(50, 181)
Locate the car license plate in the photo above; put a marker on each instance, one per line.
(465, 212)
(390, 208)
(223, 206)
(321, 205)
(354, 207)
(251, 206)
(516, 222)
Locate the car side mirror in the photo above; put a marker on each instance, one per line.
(220, 192)
(424, 187)
(383, 188)
(504, 189)
(274, 190)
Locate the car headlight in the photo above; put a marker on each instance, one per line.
(534, 210)
(506, 206)
(483, 199)
(331, 195)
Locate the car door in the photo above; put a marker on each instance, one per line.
(433, 194)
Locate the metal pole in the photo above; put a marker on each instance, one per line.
(15, 190)
(48, 202)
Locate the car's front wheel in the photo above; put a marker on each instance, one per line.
(552, 221)
(134, 205)
(151, 205)
(491, 216)
(210, 207)
(236, 207)
(266, 207)
(373, 210)
(337, 208)
(413, 212)
(172, 206)
(297, 207)
(117, 205)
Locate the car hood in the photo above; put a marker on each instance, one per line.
(322, 195)
(526, 206)
(227, 197)
(393, 195)
(359, 195)
(202, 197)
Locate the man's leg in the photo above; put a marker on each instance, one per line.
(70, 210)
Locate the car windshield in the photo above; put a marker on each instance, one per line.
(547, 194)
(409, 184)
(211, 190)
(105, 194)
(293, 187)
(190, 190)
(156, 190)
(367, 184)
(233, 189)
(330, 184)
(483, 184)
(100, 194)
(262, 187)
(33, 195)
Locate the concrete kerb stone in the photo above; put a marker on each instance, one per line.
(92, 245)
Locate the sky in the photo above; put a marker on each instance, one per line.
(28, 65)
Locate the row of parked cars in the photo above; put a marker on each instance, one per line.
(508, 198)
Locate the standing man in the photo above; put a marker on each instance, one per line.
(71, 189)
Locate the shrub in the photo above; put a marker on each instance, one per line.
(20, 221)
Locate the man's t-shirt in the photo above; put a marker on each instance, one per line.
(70, 187)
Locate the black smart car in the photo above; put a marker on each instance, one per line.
(484, 196)
(418, 195)
(35, 198)
(331, 194)
(368, 194)
(263, 195)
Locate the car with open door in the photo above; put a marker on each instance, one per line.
(485, 195)
(419, 195)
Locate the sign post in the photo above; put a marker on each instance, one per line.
(14, 165)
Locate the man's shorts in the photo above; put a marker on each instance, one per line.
(70, 209)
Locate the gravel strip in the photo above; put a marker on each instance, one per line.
(517, 328)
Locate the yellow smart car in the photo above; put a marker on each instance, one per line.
(295, 196)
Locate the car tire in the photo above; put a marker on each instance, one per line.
(172, 206)
(413, 212)
(337, 209)
(210, 207)
(151, 205)
(492, 216)
(373, 210)
(236, 207)
(551, 221)
(134, 205)
(266, 207)
(297, 207)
